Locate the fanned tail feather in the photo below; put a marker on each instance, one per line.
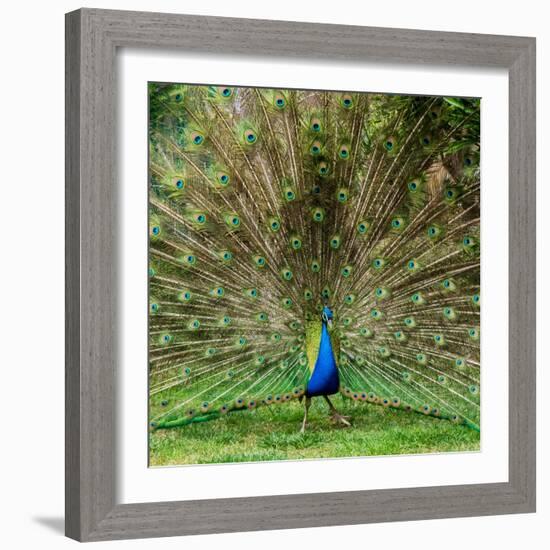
(267, 204)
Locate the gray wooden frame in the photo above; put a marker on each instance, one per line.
(92, 38)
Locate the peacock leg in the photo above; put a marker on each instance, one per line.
(306, 406)
(335, 416)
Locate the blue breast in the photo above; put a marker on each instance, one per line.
(324, 380)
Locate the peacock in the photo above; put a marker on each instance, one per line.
(306, 243)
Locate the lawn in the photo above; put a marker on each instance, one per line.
(273, 433)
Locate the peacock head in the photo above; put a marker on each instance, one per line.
(327, 316)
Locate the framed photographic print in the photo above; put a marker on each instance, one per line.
(300, 283)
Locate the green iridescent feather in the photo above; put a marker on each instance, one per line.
(266, 205)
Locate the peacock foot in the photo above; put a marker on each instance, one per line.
(303, 428)
(339, 419)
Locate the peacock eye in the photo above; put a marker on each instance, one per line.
(318, 214)
(290, 195)
(223, 178)
(434, 231)
(397, 223)
(426, 140)
(179, 184)
(316, 126)
(347, 101)
(226, 92)
(413, 186)
(197, 138)
(467, 161)
(342, 195)
(315, 148)
(287, 274)
(178, 97)
(280, 101)
(274, 224)
(389, 144)
(250, 136)
(323, 168)
(156, 230)
(362, 227)
(344, 152)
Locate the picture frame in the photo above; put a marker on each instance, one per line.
(92, 39)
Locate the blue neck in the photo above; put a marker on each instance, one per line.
(324, 379)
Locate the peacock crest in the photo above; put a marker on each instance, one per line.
(270, 208)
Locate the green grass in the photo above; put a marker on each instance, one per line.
(273, 434)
